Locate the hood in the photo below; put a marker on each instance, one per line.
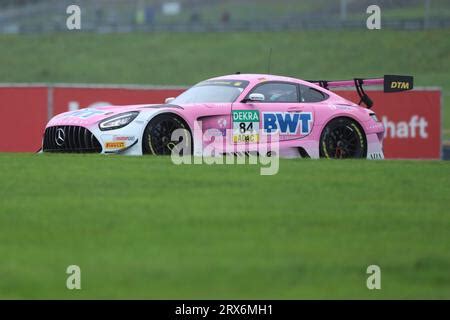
(90, 116)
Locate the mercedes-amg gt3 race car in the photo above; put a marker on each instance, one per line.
(307, 119)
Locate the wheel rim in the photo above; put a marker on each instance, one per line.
(160, 136)
(342, 142)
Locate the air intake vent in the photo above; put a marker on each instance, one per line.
(70, 139)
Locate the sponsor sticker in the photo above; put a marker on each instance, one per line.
(115, 145)
(85, 113)
(288, 123)
(394, 83)
(229, 83)
(124, 138)
(245, 126)
(376, 156)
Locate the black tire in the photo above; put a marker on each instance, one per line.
(343, 138)
(158, 134)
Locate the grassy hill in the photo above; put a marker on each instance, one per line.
(141, 227)
(183, 59)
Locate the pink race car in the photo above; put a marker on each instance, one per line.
(306, 118)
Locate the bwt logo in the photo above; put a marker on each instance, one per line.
(287, 123)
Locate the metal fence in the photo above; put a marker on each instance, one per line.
(41, 16)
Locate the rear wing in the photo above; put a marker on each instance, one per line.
(390, 83)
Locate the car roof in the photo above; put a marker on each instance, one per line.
(258, 78)
(255, 78)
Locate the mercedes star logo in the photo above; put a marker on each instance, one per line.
(60, 137)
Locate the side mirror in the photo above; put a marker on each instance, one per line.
(169, 100)
(255, 97)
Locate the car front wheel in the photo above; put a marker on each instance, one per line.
(157, 137)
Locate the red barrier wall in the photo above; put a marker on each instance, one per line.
(412, 119)
(24, 114)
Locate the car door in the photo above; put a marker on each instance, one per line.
(274, 107)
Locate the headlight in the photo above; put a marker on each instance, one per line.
(374, 117)
(118, 121)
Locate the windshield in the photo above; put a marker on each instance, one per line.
(218, 91)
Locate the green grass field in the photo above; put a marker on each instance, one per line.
(186, 58)
(141, 227)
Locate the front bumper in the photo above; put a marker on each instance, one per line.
(126, 140)
(70, 139)
(79, 139)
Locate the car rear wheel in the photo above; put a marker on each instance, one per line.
(343, 138)
(157, 138)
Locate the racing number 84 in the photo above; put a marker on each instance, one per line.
(244, 128)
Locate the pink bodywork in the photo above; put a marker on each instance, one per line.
(218, 115)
